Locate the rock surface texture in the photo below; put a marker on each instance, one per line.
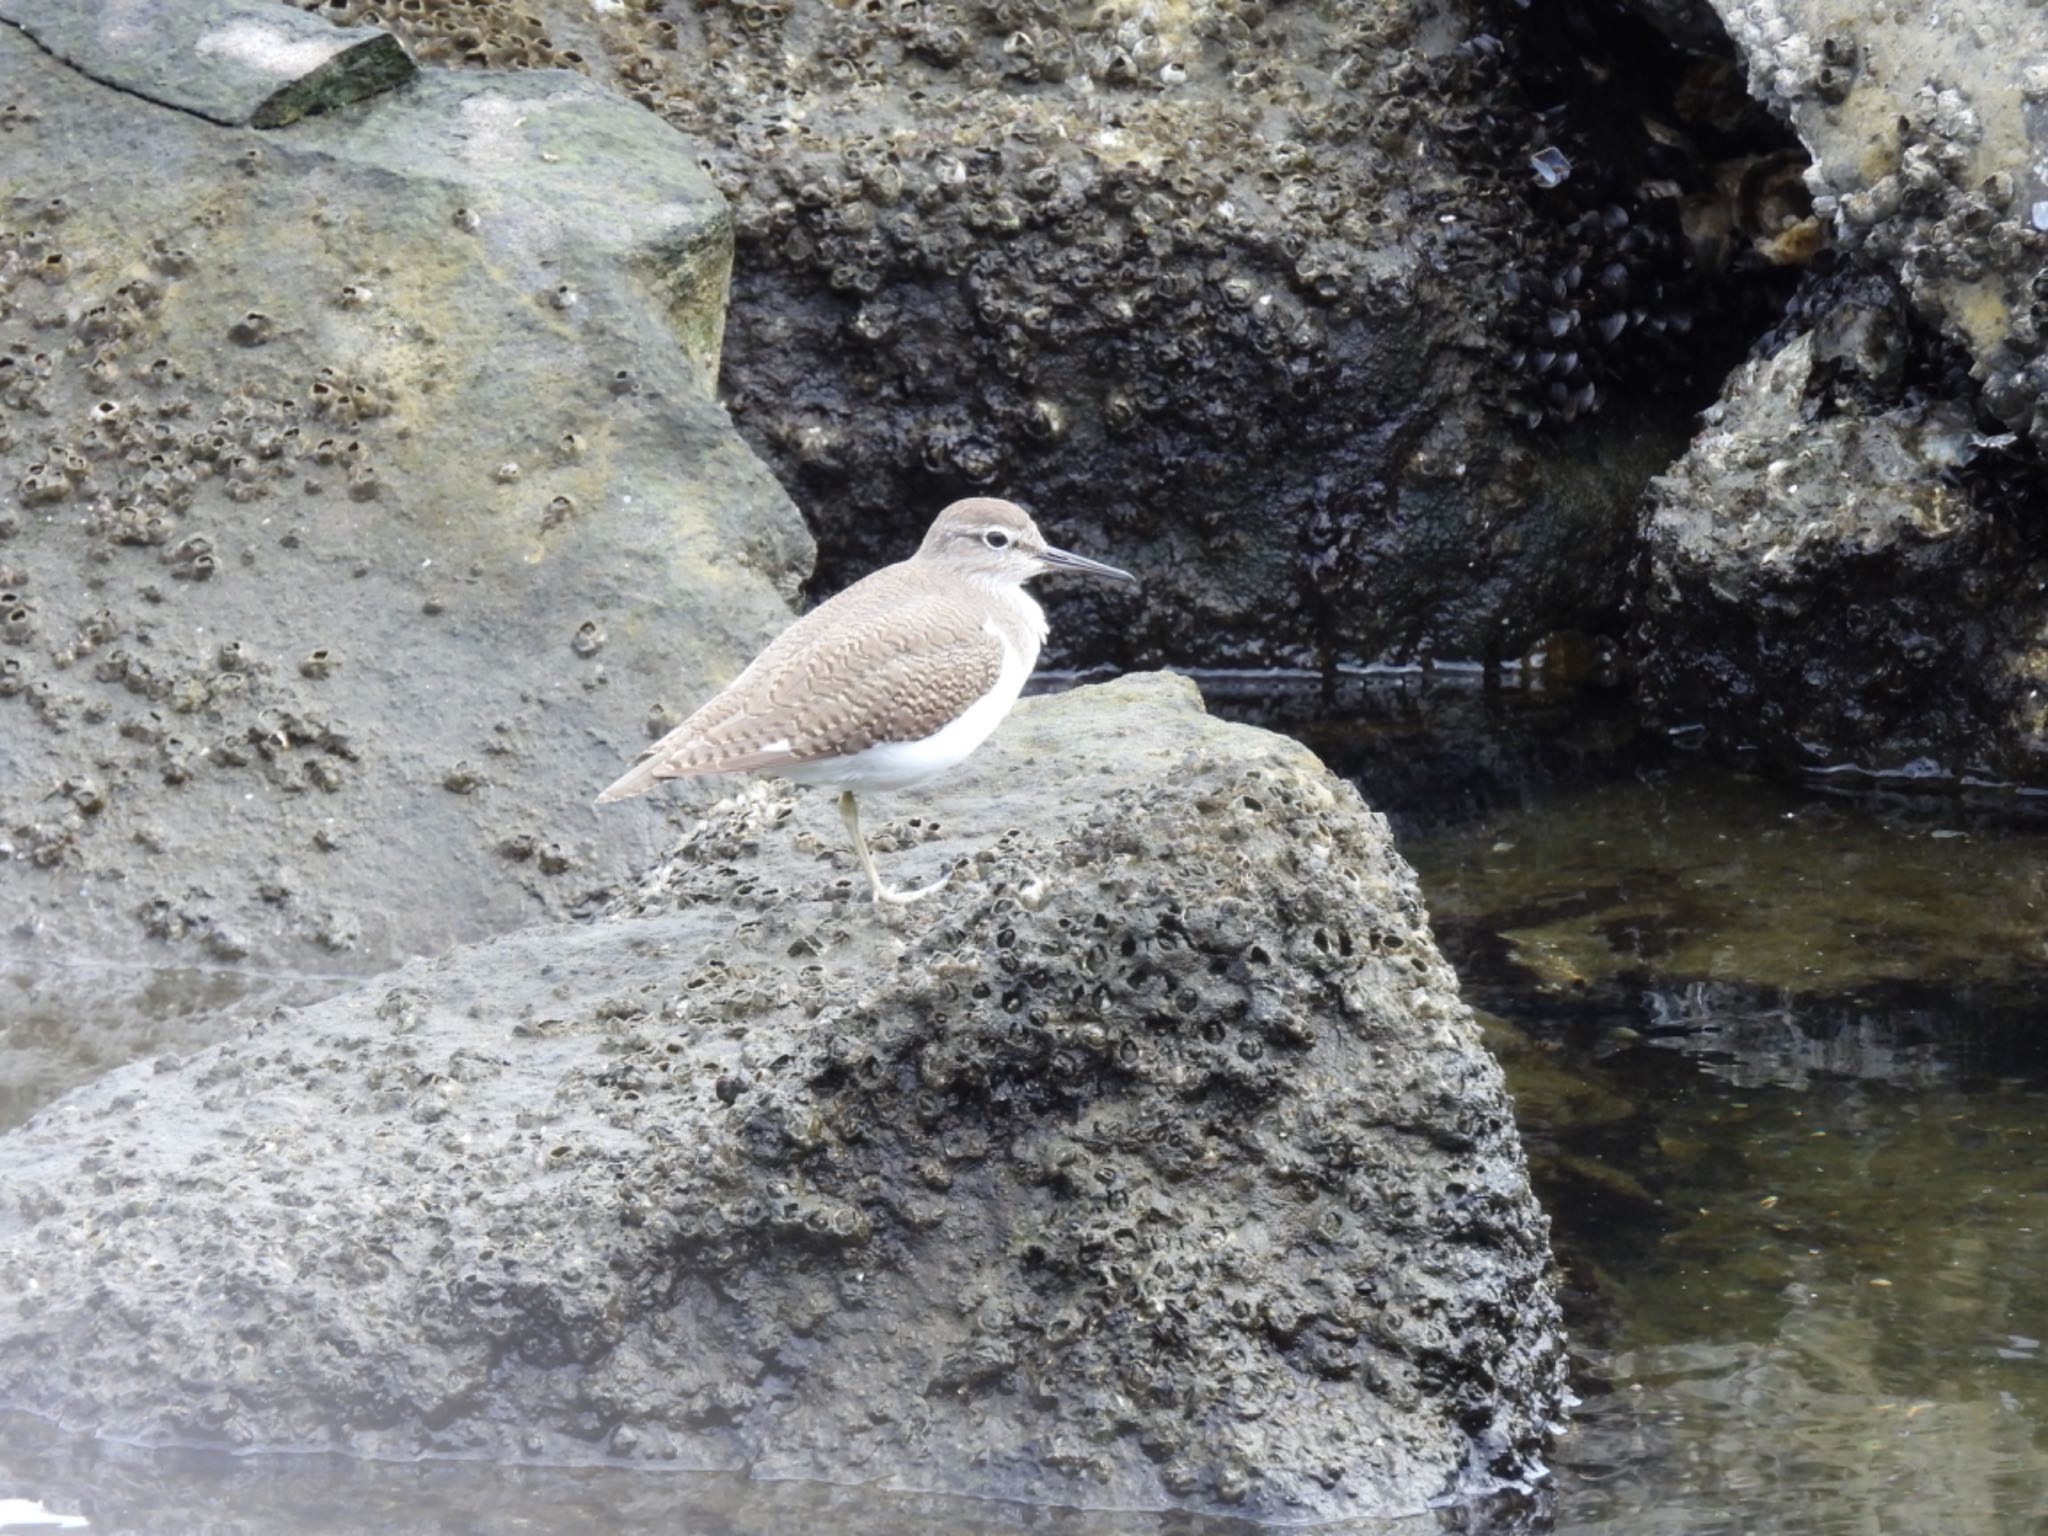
(1155, 1162)
(1258, 298)
(1847, 567)
(233, 61)
(1824, 586)
(364, 487)
(1929, 137)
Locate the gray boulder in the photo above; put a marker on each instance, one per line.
(364, 489)
(1154, 1162)
(233, 61)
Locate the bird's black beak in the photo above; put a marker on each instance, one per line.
(1061, 560)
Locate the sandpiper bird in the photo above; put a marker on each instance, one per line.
(896, 679)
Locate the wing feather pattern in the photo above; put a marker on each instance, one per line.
(895, 657)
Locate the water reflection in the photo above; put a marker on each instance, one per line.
(177, 1493)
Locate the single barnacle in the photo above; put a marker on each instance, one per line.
(1046, 420)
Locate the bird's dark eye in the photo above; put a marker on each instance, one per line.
(995, 538)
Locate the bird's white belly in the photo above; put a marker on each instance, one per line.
(900, 764)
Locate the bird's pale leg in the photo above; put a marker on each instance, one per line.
(849, 812)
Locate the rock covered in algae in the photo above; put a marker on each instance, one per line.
(1154, 1162)
(365, 486)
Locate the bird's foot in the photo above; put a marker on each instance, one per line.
(889, 895)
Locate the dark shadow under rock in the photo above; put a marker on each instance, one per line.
(1155, 1162)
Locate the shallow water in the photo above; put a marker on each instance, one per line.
(1778, 1058)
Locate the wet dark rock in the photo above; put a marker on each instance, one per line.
(1846, 569)
(1691, 24)
(1154, 1162)
(1837, 572)
(1237, 292)
(262, 587)
(234, 61)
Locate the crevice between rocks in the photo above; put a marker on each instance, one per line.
(1668, 222)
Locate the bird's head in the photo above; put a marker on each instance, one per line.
(997, 542)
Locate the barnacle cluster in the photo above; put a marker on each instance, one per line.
(254, 486)
(1918, 144)
(1855, 577)
(1135, 248)
(123, 441)
(1071, 1056)
(497, 34)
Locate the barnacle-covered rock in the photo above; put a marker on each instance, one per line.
(1927, 131)
(1846, 568)
(218, 480)
(1262, 298)
(1153, 1162)
(1834, 573)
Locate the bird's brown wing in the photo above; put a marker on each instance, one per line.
(895, 657)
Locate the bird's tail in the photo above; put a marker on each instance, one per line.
(636, 780)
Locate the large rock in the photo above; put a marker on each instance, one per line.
(1836, 574)
(1927, 130)
(365, 488)
(1258, 298)
(233, 61)
(1154, 1162)
(1845, 570)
